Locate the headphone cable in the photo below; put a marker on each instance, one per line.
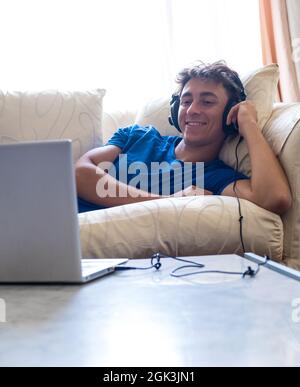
(236, 195)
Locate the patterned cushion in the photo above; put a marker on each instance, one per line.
(30, 116)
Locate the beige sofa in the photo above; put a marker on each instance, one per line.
(205, 225)
(181, 226)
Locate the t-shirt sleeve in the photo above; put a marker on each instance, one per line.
(217, 180)
(121, 137)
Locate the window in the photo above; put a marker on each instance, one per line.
(133, 48)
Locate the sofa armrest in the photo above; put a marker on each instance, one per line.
(283, 134)
(282, 122)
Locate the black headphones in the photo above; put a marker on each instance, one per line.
(228, 129)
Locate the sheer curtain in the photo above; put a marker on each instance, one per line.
(281, 43)
(133, 48)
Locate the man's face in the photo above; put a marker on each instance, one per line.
(202, 104)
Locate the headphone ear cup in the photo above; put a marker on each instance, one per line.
(231, 129)
(173, 119)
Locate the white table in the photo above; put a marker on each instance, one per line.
(147, 318)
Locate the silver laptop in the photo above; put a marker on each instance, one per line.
(39, 232)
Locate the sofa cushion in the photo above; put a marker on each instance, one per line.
(180, 226)
(260, 86)
(53, 114)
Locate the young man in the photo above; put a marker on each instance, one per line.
(210, 99)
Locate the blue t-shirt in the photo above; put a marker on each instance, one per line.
(148, 162)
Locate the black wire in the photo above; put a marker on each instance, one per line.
(238, 199)
(201, 272)
(187, 261)
(157, 265)
(249, 272)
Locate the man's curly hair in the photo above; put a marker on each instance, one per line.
(217, 72)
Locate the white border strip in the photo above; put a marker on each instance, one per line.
(287, 271)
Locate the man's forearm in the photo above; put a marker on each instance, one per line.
(98, 187)
(268, 180)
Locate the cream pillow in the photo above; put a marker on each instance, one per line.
(260, 86)
(53, 114)
(156, 113)
(180, 226)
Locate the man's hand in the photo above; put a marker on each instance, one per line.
(192, 190)
(244, 115)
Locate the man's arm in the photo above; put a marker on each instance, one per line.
(268, 186)
(88, 174)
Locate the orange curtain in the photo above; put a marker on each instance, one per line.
(277, 47)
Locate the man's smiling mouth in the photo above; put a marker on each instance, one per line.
(195, 123)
